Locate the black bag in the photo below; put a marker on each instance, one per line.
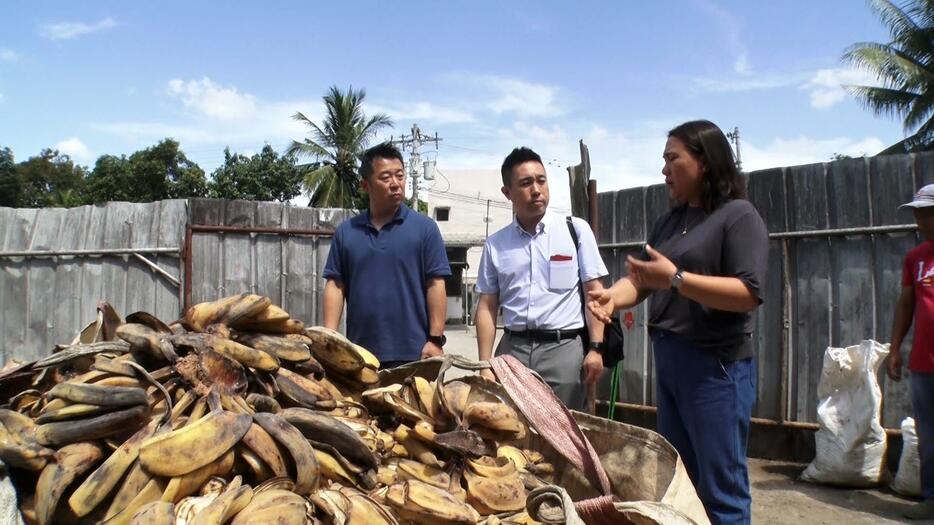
(613, 332)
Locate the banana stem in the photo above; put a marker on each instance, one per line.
(168, 399)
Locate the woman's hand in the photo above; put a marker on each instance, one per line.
(654, 274)
(601, 305)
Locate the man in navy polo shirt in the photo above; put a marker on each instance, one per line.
(389, 264)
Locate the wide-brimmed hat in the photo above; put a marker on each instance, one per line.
(923, 199)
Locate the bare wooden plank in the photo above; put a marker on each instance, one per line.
(766, 191)
(848, 188)
(606, 217)
(268, 251)
(206, 253)
(239, 213)
(142, 226)
(811, 301)
(924, 169)
(17, 229)
(853, 309)
(41, 281)
(891, 184)
(206, 211)
(890, 251)
(807, 195)
(238, 256)
(173, 216)
(66, 307)
(301, 279)
(114, 268)
(635, 384)
(630, 216)
(92, 280)
(768, 337)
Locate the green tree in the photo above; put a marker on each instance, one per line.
(265, 176)
(10, 187)
(159, 172)
(335, 145)
(904, 68)
(49, 179)
(111, 180)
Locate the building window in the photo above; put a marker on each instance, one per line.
(442, 214)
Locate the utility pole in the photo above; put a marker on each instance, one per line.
(734, 137)
(413, 143)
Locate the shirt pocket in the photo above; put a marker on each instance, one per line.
(562, 275)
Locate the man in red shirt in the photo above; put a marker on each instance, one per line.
(917, 303)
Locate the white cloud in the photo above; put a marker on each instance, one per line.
(804, 150)
(746, 82)
(826, 85)
(76, 149)
(212, 100)
(522, 98)
(741, 65)
(210, 116)
(69, 30)
(424, 111)
(731, 28)
(8, 55)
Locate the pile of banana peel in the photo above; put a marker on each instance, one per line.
(238, 413)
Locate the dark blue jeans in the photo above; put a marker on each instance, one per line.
(922, 402)
(704, 406)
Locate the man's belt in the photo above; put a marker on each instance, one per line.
(544, 335)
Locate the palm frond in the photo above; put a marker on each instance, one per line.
(883, 101)
(889, 65)
(921, 111)
(922, 11)
(337, 142)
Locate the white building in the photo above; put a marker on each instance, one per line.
(468, 205)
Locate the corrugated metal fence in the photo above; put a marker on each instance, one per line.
(836, 249)
(56, 264)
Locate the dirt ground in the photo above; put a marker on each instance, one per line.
(777, 495)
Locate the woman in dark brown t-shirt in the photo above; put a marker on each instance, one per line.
(704, 268)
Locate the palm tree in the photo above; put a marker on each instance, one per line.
(904, 68)
(335, 145)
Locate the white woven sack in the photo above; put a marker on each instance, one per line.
(908, 478)
(850, 441)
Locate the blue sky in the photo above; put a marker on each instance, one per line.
(112, 77)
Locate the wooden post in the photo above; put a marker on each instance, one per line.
(584, 205)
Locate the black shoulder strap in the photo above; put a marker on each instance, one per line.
(577, 249)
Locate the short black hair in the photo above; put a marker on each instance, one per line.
(722, 181)
(384, 150)
(518, 156)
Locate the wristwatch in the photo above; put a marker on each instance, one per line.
(598, 347)
(438, 340)
(677, 279)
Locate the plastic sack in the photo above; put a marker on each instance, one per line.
(850, 441)
(9, 510)
(907, 480)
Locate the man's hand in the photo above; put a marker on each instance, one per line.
(601, 305)
(592, 367)
(654, 274)
(431, 350)
(894, 366)
(488, 373)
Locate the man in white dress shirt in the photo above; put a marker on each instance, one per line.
(531, 269)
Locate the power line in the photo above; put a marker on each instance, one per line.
(472, 200)
(414, 143)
